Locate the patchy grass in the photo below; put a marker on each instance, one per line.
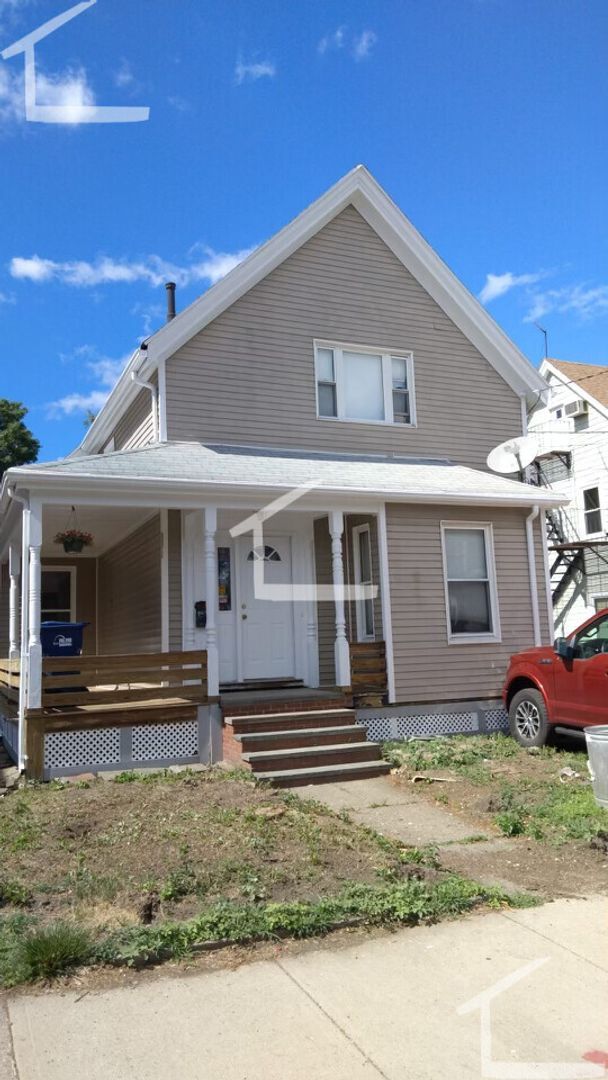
(143, 868)
(519, 792)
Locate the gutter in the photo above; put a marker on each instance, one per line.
(25, 592)
(531, 518)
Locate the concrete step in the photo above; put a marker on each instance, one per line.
(298, 737)
(309, 757)
(287, 721)
(325, 774)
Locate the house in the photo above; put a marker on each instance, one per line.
(298, 548)
(572, 420)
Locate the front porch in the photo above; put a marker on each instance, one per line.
(177, 637)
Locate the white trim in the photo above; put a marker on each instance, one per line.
(386, 357)
(602, 595)
(162, 401)
(530, 519)
(71, 570)
(357, 532)
(548, 591)
(495, 634)
(598, 510)
(110, 446)
(164, 580)
(385, 597)
(359, 189)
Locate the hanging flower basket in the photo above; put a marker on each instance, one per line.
(73, 540)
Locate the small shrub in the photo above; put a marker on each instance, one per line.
(54, 949)
(511, 822)
(179, 883)
(13, 892)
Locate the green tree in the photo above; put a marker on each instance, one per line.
(17, 444)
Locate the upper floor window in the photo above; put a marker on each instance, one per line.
(364, 385)
(591, 510)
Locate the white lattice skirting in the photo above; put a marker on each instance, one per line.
(141, 746)
(455, 718)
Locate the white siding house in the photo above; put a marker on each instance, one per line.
(575, 414)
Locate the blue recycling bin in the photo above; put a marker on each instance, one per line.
(61, 638)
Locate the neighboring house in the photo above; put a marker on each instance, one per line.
(343, 356)
(575, 413)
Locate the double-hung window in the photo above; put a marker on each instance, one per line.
(470, 582)
(361, 384)
(591, 511)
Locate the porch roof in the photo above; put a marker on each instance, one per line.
(192, 467)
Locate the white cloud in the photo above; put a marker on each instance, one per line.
(335, 40)
(363, 44)
(498, 284)
(12, 104)
(7, 298)
(180, 104)
(257, 69)
(152, 269)
(101, 370)
(124, 76)
(70, 90)
(585, 301)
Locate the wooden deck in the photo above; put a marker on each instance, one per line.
(87, 692)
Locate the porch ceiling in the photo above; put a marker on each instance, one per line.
(107, 524)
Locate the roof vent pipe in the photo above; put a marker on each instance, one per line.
(170, 287)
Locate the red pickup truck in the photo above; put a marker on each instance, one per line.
(561, 686)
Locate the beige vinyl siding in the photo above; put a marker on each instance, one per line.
(249, 377)
(136, 426)
(174, 523)
(86, 592)
(427, 668)
(129, 619)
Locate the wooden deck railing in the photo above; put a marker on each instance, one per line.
(368, 671)
(69, 682)
(10, 676)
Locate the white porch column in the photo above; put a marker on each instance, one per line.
(34, 684)
(14, 570)
(211, 595)
(341, 649)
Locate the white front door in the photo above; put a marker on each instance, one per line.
(266, 626)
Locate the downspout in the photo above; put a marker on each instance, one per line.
(154, 392)
(531, 518)
(25, 585)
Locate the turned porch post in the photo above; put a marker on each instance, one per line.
(211, 594)
(14, 570)
(34, 682)
(341, 648)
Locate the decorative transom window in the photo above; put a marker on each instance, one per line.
(470, 582)
(591, 510)
(267, 554)
(365, 385)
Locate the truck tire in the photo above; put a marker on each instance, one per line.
(528, 722)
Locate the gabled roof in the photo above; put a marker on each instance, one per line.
(359, 189)
(180, 468)
(591, 379)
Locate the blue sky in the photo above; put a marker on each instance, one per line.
(485, 120)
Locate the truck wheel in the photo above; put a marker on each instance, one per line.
(528, 722)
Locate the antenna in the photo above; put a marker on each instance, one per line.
(545, 335)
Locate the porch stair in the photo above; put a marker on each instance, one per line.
(307, 746)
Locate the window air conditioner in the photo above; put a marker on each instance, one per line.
(577, 408)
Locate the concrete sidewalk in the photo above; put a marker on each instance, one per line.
(386, 1008)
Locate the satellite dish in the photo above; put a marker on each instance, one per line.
(513, 455)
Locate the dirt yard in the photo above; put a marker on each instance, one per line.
(533, 818)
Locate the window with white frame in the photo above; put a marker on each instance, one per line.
(364, 384)
(470, 582)
(362, 553)
(591, 511)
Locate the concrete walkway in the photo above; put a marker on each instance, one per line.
(385, 1009)
(391, 808)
